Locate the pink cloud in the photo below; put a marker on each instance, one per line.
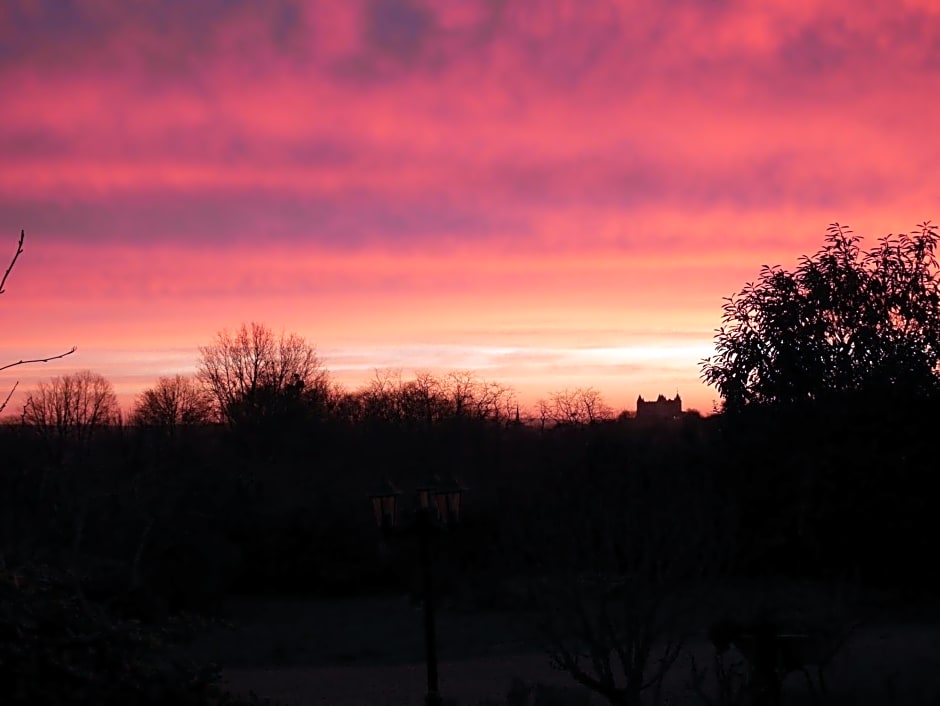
(403, 175)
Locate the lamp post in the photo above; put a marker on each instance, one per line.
(438, 506)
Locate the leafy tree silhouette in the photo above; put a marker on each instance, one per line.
(844, 320)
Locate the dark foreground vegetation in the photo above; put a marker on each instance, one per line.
(150, 528)
(114, 536)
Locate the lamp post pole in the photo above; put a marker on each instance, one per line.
(435, 505)
(424, 526)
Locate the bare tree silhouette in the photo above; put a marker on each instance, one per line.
(583, 405)
(72, 407)
(172, 405)
(628, 564)
(174, 401)
(426, 399)
(250, 373)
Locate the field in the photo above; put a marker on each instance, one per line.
(369, 651)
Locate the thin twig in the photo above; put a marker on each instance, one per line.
(40, 360)
(9, 395)
(16, 256)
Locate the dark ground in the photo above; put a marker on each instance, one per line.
(369, 652)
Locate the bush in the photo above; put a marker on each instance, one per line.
(59, 649)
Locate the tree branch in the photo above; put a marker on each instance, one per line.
(16, 256)
(9, 395)
(40, 360)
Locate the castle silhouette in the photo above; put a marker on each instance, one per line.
(659, 409)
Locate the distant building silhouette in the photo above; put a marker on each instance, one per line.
(659, 409)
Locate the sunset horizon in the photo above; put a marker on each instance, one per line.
(551, 195)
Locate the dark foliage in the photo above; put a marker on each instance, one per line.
(843, 320)
(56, 648)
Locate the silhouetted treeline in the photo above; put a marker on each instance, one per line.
(810, 490)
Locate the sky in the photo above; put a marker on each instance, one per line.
(554, 194)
